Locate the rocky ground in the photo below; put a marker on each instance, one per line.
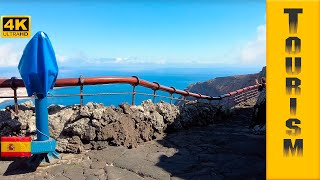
(95, 126)
(224, 150)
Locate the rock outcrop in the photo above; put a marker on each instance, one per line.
(95, 126)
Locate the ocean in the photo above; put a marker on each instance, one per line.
(179, 78)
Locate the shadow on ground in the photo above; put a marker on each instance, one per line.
(220, 151)
(23, 165)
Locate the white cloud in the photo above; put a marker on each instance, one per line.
(119, 60)
(127, 60)
(254, 52)
(61, 58)
(10, 54)
(251, 53)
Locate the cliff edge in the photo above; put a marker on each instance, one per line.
(222, 85)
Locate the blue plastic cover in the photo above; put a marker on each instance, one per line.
(38, 65)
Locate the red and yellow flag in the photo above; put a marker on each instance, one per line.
(15, 146)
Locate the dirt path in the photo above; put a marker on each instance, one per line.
(221, 151)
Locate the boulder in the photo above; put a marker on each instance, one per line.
(126, 108)
(81, 128)
(95, 126)
(69, 145)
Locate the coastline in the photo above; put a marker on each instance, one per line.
(9, 92)
(20, 92)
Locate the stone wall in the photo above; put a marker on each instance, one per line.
(95, 126)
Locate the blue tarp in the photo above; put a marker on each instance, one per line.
(38, 66)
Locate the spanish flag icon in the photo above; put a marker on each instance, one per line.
(15, 146)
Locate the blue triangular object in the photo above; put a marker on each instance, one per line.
(38, 65)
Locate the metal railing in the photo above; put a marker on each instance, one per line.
(234, 97)
(243, 98)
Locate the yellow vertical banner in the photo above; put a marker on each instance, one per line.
(293, 122)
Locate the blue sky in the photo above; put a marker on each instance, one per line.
(140, 32)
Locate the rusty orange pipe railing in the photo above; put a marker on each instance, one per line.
(134, 81)
(239, 91)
